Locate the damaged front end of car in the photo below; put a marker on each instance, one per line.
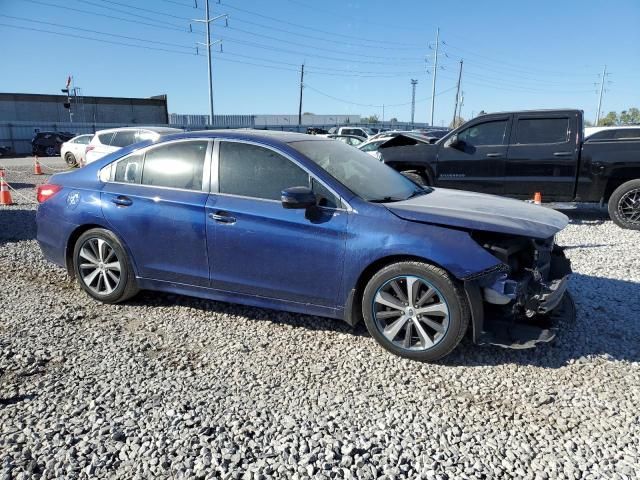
(521, 303)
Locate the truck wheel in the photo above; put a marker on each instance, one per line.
(415, 310)
(624, 205)
(416, 177)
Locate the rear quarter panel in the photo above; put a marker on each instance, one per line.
(604, 161)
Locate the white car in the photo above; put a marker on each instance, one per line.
(612, 133)
(357, 131)
(73, 150)
(108, 141)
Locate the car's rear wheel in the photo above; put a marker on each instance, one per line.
(415, 310)
(102, 266)
(70, 158)
(50, 151)
(624, 205)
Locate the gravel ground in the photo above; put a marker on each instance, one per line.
(167, 386)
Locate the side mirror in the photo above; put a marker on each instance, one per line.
(455, 142)
(298, 197)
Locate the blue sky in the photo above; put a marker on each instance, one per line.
(359, 54)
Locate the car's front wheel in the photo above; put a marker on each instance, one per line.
(50, 151)
(70, 158)
(415, 310)
(624, 205)
(417, 177)
(102, 267)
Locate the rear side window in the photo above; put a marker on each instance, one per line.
(105, 138)
(129, 169)
(124, 138)
(488, 133)
(603, 135)
(176, 165)
(83, 140)
(258, 172)
(542, 130)
(627, 133)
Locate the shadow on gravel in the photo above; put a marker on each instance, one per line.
(16, 399)
(606, 325)
(17, 225)
(587, 216)
(19, 186)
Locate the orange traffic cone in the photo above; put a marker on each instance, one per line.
(36, 166)
(5, 194)
(537, 198)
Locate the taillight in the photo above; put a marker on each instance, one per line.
(45, 192)
(89, 148)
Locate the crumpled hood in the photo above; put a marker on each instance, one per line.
(478, 211)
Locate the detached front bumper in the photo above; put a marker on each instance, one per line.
(520, 313)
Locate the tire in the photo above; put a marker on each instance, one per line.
(50, 151)
(624, 205)
(86, 250)
(416, 177)
(70, 159)
(448, 310)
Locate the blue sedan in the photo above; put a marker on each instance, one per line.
(308, 224)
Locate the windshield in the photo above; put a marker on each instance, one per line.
(365, 176)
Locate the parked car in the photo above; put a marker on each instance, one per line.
(108, 141)
(352, 140)
(48, 143)
(5, 150)
(304, 224)
(316, 131)
(73, 150)
(517, 154)
(373, 145)
(363, 132)
(612, 133)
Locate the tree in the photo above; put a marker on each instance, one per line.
(458, 121)
(393, 120)
(371, 119)
(587, 123)
(609, 120)
(630, 117)
(308, 113)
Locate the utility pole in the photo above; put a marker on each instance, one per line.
(383, 114)
(207, 21)
(435, 73)
(413, 101)
(604, 75)
(301, 87)
(455, 109)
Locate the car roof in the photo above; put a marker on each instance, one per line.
(249, 134)
(141, 127)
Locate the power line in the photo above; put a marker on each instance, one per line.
(112, 9)
(154, 12)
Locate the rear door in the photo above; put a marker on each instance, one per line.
(477, 164)
(155, 201)
(543, 156)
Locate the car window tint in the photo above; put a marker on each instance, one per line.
(105, 138)
(627, 133)
(602, 135)
(83, 140)
(488, 133)
(124, 138)
(175, 165)
(129, 169)
(542, 130)
(254, 171)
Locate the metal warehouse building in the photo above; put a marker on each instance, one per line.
(29, 107)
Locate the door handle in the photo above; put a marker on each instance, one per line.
(122, 201)
(562, 154)
(222, 217)
(494, 155)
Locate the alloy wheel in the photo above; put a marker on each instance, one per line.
(629, 206)
(99, 266)
(411, 313)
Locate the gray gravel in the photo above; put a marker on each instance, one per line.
(167, 386)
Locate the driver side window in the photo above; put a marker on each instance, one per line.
(488, 133)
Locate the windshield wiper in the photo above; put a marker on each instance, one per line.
(385, 200)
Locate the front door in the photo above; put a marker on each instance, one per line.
(476, 163)
(155, 202)
(259, 248)
(543, 157)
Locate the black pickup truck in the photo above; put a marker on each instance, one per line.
(517, 154)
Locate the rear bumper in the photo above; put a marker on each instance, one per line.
(52, 235)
